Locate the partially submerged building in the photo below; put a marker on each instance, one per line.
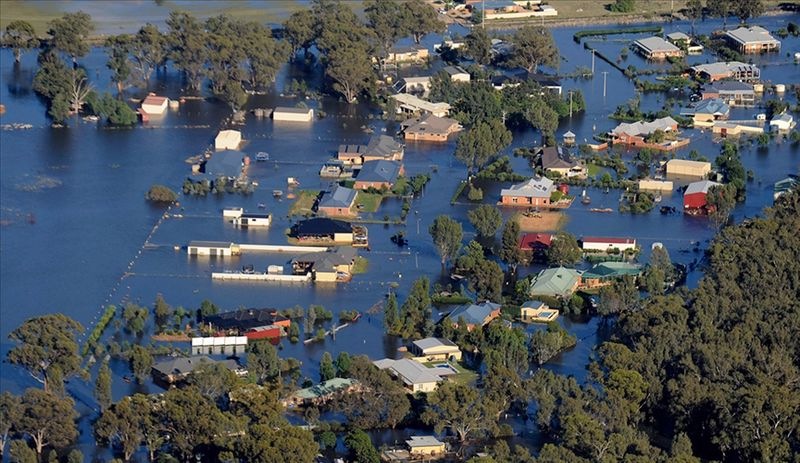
(726, 70)
(337, 202)
(475, 315)
(533, 192)
(378, 175)
(324, 231)
(219, 345)
(537, 311)
(732, 92)
(554, 159)
(178, 369)
(687, 168)
(430, 349)
(429, 128)
(321, 393)
(212, 248)
(608, 244)
(635, 133)
(558, 282)
(753, 39)
(330, 266)
(657, 48)
(287, 114)
(228, 140)
(414, 375)
(695, 198)
(605, 273)
(410, 104)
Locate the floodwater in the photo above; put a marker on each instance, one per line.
(75, 222)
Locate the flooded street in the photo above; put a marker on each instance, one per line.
(77, 233)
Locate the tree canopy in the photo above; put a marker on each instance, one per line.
(446, 234)
(20, 36)
(533, 46)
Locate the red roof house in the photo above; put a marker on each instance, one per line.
(535, 241)
(695, 198)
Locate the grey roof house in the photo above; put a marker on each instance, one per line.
(378, 174)
(338, 201)
(475, 315)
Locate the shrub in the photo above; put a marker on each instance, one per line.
(161, 194)
(475, 193)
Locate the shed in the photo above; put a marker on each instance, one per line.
(253, 219)
(219, 345)
(435, 349)
(287, 114)
(569, 138)
(228, 140)
(695, 198)
(605, 244)
(155, 105)
(687, 168)
(782, 123)
(457, 74)
(425, 445)
(212, 248)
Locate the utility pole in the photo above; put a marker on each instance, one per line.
(605, 74)
(592, 61)
(570, 104)
(483, 14)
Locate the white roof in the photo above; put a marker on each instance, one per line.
(423, 441)
(429, 343)
(409, 371)
(220, 341)
(416, 103)
(645, 128)
(724, 67)
(700, 187)
(755, 34)
(229, 135)
(656, 44)
(540, 187)
(689, 163)
(417, 79)
(785, 117)
(678, 36)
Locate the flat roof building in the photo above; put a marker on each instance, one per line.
(657, 48)
(753, 39)
(287, 114)
(435, 349)
(687, 168)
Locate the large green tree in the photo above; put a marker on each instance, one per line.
(300, 30)
(385, 18)
(69, 34)
(10, 410)
(478, 45)
(420, 18)
(148, 51)
(477, 146)
(47, 419)
(461, 409)
(326, 368)
(694, 11)
(486, 219)
(102, 386)
(509, 247)
(415, 312)
(361, 448)
(118, 48)
(187, 40)
(262, 361)
(381, 402)
(46, 343)
(124, 425)
(192, 421)
(534, 46)
(564, 250)
(141, 361)
(20, 36)
(446, 234)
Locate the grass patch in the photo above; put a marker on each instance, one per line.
(595, 170)
(459, 190)
(360, 265)
(369, 202)
(304, 203)
(464, 375)
(98, 329)
(622, 30)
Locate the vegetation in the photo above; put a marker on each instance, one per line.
(486, 219)
(414, 320)
(19, 36)
(623, 6)
(485, 277)
(162, 194)
(305, 202)
(729, 164)
(545, 344)
(563, 250)
(99, 327)
(621, 30)
(509, 250)
(534, 46)
(446, 234)
(484, 140)
(500, 171)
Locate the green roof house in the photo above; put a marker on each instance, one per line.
(555, 282)
(605, 272)
(321, 392)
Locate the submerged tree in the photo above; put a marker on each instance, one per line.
(534, 46)
(49, 420)
(187, 40)
(70, 32)
(148, 51)
(484, 140)
(446, 234)
(20, 36)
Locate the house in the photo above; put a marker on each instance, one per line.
(410, 54)
(419, 85)
(338, 201)
(708, 111)
(726, 70)
(252, 219)
(753, 39)
(475, 315)
(634, 134)
(537, 311)
(178, 369)
(429, 128)
(414, 375)
(351, 154)
(321, 393)
(649, 184)
(227, 163)
(286, 114)
(228, 140)
(155, 105)
(783, 122)
(422, 446)
(558, 282)
(499, 82)
(687, 168)
(430, 349)
(781, 187)
(695, 198)
(536, 244)
(555, 160)
(508, 9)
(246, 320)
(322, 230)
(547, 82)
(212, 248)
(219, 345)
(604, 273)
(657, 48)
(382, 147)
(378, 175)
(568, 138)
(334, 168)
(330, 266)
(533, 192)
(607, 244)
(457, 73)
(725, 129)
(265, 332)
(683, 41)
(410, 104)
(732, 92)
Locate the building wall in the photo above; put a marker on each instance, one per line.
(607, 246)
(251, 222)
(152, 109)
(694, 200)
(203, 251)
(325, 276)
(293, 117)
(524, 201)
(688, 171)
(427, 449)
(417, 136)
(343, 237)
(377, 185)
(335, 211)
(424, 387)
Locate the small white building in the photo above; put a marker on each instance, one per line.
(250, 219)
(228, 140)
(407, 103)
(457, 74)
(605, 244)
(212, 248)
(782, 123)
(231, 213)
(155, 105)
(220, 345)
(417, 84)
(430, 349)
(286, 114)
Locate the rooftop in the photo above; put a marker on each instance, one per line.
(219, 341)
(382, 146)
(423, 441)
(558, 281)
(410, 371)
(712, 106)
(722, 67)
(185, 365)
(689, 163)
(325, 388)
(754, 34)
(554, 158)
(453, 70)
(656, 45)
(429, 343)
(533, 305)
(429, 124)
(537, 187)
(352, 149)
(612, 270)
(210, 244)
(415, 103)
(244, 319)
(530, 240)
(379, 171)
(474, 314)
(226, 163)
(645, 128)
(678, 36)
(287, 109)
(339, 197)
(700, 187)
(320, 226)
(603, 239)
(730, 86)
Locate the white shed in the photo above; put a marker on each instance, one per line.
(228, 140)
(283, 113)
(783, 122)
(155, 105)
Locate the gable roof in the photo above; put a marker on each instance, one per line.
(474, 314)
(328, 260)
(453, 70)
(558, 281)
(677, 36)
(726, 68)
(325, 388)
(754, 34)
(428, 343)
(534, 240)
(612, 270)
(730, 86)
(410, 371)
(656, 45)
(537, 187)
(226, 163)
(645, 128)
(244, 319)
(379, 171)
(339, 197)
(382, 146)
(700, 187)
(320, 226)
(430, 124)
(553, 158)
(712, 106)
(185, 365)
(423, 441)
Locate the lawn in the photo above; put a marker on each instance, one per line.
(596, 9)
(304, 203)
(360, 266)
(369, 202)
(464, 375)
(595, 170)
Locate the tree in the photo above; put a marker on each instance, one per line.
(207, 309)
(148, 51)
(460, 408)
(414, 313)
(263, 54)
(390, 316)
(102, 387)
(191, 420)
(141, 362)
(118, 48)
(46, 343)
(623, 6)
(299, 31)
(75, 456)
(361, 448)
(277, 444)
(213, 380)
(720, 9)
(20, 36)
(187, 41)
(694, 11)
(326, 369)
(351, 72)
(721, 201)
(420, 18)
(10, 410)
(619, 297)
(343, 362)
(478, 45)
(480, 143)
(47, 419)
(564, 250)
(486, 219)
(545, 344)
(262, 361)
(135, 318)
(745, 10)
(485, 277)
(382, 402)
(543, 117)
(21, 452)
(509, 250)
(70, 32)
(533, 46)
(161, 309)
(386, 20)
(446, 234)
(124, 425)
